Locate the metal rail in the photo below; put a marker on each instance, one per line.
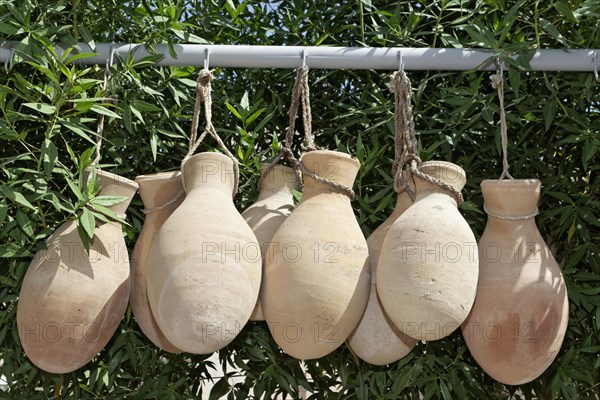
(387, 58)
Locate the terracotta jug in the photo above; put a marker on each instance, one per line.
(204, 267)
(428, 267)
(72, 301)
(317, 279)
(161, 194)
(520, 315)
(376, 339)
(275, 202)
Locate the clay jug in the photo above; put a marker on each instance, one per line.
(72, 301)
(376, 339)
(161, 194)
(204, 267)
(521, 311)
(428, 267)
(317, 279)
(275, 202)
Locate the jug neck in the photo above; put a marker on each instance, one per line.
(511, 200)
(208, 170)
(158, 190)
(114, 185)
(448, 173)
(335, 166)
(403, 201)
(278, 182)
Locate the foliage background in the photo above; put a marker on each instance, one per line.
(49, 109)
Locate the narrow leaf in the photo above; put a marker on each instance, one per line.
(233, 111)
(87, 221)
(77, 128)
(41, 107)
(75, 189)
(153, 145)
(25, 223)
(108, 201)
(15, 196)
(109, 213)
(564, 8)
(244, 103)
(552, 30)
(103, 110)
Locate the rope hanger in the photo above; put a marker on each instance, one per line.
(204, 97)
(301, 95)
(498, 84)
(406, 152)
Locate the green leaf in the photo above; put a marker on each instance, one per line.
(153, 145)
(108, 201)
(445, 391)
(85, 239)
(549, 112)
(244, 103)
(92, 185)
(84, 106)
(25, 223)
(11, 250)
(23, 368)
(78, 129)
(109, 213)
(10, 29)
(430, 390)
(105, 111)
(401, 382)
(254, 115)
(590, 291)
(75, 189)
(234, 111)
(79, 56)
(137, 113)
(560, 196)
(552, 30)
(3, 211)
(589, 151)
(297, 194)
(189, 37)
(564, 8)
(41, 107)
(87, 222)
(87, 36)
(15, 196)
(50, 154)
(220, 389)
(470, 206)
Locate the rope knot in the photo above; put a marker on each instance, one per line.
(287, 151)
(308, 145)
(496, 81)
(409, 158)
(203, 84)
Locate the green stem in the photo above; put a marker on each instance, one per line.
(437, 26)
(536, 20)
(362, 21)
(74, 13)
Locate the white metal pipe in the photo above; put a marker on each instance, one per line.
(241, 56)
